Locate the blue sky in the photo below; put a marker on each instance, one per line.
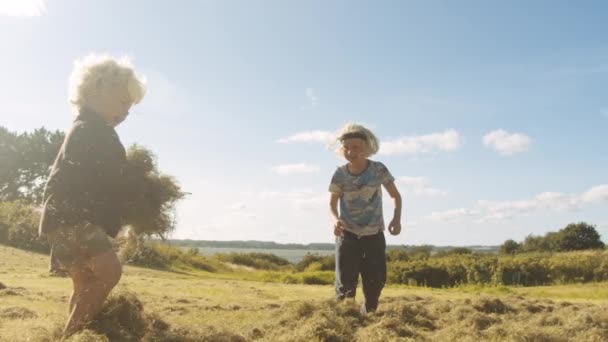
(492, 115)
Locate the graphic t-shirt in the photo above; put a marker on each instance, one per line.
(361, 197)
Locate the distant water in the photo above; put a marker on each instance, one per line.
(293, 255)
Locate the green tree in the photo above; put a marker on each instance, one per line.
(578, 236)
(420, 252)
(26, 159)
(510, 247)
(534, 243)
(454, 251)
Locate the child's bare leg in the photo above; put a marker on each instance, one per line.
(92, 285)
(81, 276)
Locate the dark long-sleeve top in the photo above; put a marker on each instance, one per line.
(88, 181)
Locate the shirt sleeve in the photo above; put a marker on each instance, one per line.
(335, 186)
(384, 175)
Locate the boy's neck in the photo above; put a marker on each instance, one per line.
(358, 166)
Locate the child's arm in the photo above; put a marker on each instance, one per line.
(333, 210)
(395, 226)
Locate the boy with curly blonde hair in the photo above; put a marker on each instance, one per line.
(88, 187)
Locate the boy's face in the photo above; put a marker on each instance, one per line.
(113, 105)
(354, 149)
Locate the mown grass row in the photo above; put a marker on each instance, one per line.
(406, 318)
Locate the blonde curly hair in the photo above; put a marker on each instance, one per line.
(355, 130)
(95, 74)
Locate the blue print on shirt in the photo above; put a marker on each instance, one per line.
(361, 197)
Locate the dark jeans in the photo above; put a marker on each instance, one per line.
(365, 255)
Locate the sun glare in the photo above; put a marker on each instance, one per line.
(22, 8)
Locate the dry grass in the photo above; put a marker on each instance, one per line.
(160, 306)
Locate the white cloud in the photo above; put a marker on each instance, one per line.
(413, 181)
(595, 194)
(507, 143)
(543, 202)
(448, 140)
(268, 194)
(316, 136)
(299, 168)
(22, 8)
(552, 201)
(419, 186)
(451, 214)
(236, 206)
(310, 201)
(299, 200)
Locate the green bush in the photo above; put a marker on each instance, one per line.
(139, 252)
(408, 253)
(454, 251)
(318, 278)
(421, 273)
(261, 261)
(327, 262)
(290, 279)
(527, 269)
(19, 226)
(400, 254)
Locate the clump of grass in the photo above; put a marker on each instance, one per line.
(9, 292)
(17, 312)
(532, 335)
(317, 321)
(492, 305)
(550, 320)
(88, 336)
(124, 319)
(413, 311)
(2, 286)
(536, 308)
(307, 277)
(48, 334)
(480, 321)
(389, 329)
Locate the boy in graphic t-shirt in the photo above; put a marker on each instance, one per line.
(359, 223)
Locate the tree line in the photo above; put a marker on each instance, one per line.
(573, 237)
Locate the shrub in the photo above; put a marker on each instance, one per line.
(135, 250)
(263, 261)
(318, 278)
(526, 269)
(327, 262)
(19, 227)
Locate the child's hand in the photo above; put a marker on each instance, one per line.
(394, 227)
(338, 227)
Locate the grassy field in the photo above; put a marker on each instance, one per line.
(151, 305)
